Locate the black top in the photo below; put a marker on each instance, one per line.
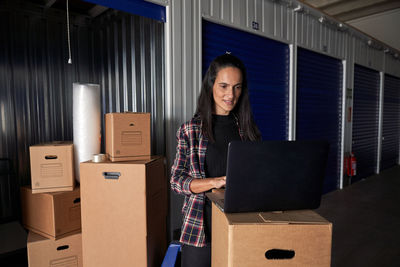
(225, 130)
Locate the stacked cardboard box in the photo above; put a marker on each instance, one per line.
(51, 207)
(52, 167)
(128, 136)
(124, 198)
(47, 252)
(124, 201)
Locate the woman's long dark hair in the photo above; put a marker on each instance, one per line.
(242, 110)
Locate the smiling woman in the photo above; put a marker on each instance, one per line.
(223, 115)
(227, 89)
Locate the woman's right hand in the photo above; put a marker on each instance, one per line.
(219, 182)
(203, 185)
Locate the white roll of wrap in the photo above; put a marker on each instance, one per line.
(86, 122)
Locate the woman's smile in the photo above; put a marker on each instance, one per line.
(227, 89)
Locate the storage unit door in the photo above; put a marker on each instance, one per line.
(365, 121)
(267, 66)
(390, 125)
(319, 106)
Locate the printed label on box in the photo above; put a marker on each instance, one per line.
(131, 138)
(51, 170)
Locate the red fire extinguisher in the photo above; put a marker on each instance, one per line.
(351, 165)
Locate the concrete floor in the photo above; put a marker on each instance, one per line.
(365, 217)
(366, 221)
(13, 251)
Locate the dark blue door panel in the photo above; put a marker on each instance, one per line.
(365, 120)
(267, 65)
(319, 106)
(137, 7)
(390, 125)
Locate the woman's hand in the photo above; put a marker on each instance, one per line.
(203, 185)
(219, 182)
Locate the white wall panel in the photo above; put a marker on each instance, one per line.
(272, 19)
(367, 55)
(324, 37)
(392, 65)
(183, 83)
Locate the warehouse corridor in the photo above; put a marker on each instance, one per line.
(365, 219)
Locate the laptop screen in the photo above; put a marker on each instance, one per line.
(275, 175)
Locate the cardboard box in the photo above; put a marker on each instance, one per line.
(124, 210)
(52, 167)
(46, 252)
(128, 136)
(53, 215)
(290, 238)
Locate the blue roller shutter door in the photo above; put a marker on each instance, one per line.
(267, 65)
(390, 125)
(365, 120)
(319, 106)
(138, 7)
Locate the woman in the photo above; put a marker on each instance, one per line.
(223, 115)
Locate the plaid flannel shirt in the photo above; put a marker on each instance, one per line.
(188, 165)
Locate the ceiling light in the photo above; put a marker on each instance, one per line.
(297, 8)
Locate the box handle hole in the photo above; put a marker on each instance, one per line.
(62, 247)
(131, 124)
(111, 175)
(279, 254)
(50, 157)
(77, 200)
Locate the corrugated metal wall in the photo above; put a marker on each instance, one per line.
(322, 37)
(271, 18)
(392, 65)
(38, 82)
(121, 52)
(128, 62)
(36, 87)
(367, 55)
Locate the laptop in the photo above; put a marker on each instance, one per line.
(274, 175)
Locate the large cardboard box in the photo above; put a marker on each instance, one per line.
(53, 215)
(124, 210)
(290, 238)
(128, 136)
(46, 252)
(52, 167)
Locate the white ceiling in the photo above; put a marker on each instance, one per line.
(346, 10)
(382, 26)
(377, 18)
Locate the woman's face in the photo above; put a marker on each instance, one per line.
(227, 89)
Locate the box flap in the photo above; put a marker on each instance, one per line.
(54, 143)
(125, 112)
(297, 216)
(148, 160)
(281, 217)
(285, 217)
